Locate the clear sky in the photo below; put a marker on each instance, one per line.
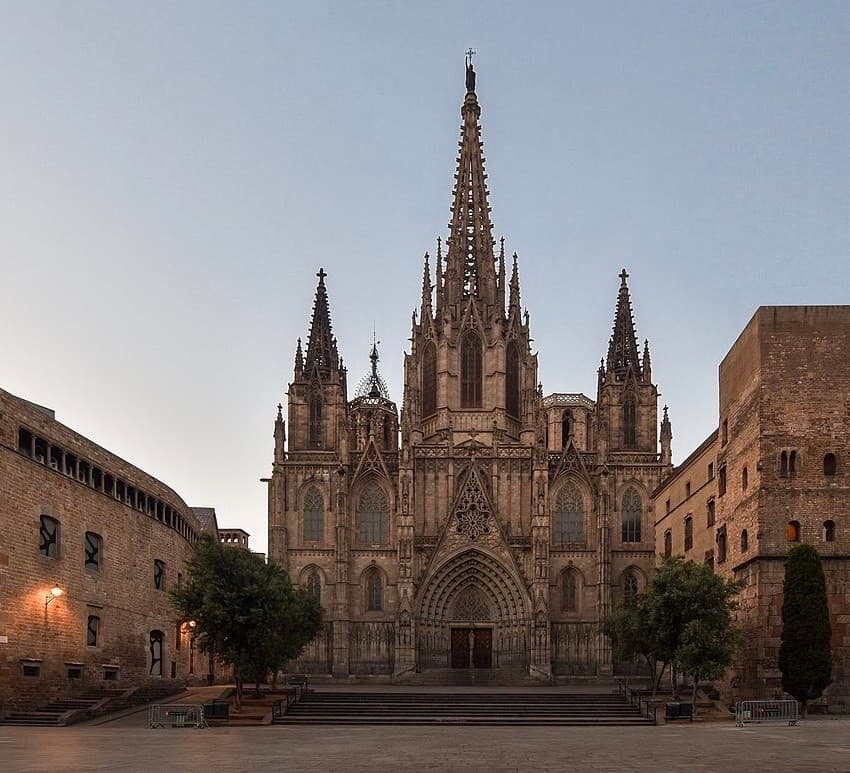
(172, 175)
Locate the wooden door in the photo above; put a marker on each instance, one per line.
(460, 647)
(482, 653)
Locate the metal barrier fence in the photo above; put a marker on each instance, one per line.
(176, 715)
(633, 697)
(766, 711)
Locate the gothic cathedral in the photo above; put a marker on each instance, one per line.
(490, 526)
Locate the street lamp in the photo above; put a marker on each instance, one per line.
(55, 593)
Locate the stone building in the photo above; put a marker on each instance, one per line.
(774, 473)
(110, 539)
(486, 525)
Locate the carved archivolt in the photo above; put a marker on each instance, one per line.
(474, 569)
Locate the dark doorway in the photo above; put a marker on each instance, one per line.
(460, 647)
(482, 654)
(472, 643)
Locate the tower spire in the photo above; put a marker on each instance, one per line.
(321, 346)
(470, 263)
(622, 348)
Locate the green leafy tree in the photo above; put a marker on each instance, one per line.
(683, 620)
(805, 655)
(247, 613)
(632, 638)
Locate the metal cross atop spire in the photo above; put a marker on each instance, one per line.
(470, 73)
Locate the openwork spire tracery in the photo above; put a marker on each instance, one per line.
(321, 346)
(470, 264)
(622, 348)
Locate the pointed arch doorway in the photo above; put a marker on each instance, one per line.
(473, 612)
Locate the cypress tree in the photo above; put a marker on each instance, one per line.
(805, 656)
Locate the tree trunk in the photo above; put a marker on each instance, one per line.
(238, 692)
(674, 681)
(694, 693)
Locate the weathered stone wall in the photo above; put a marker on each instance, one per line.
(120, 592)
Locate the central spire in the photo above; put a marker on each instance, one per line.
(470, 263)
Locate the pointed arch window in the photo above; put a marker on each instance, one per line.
(374, 591)
(314, 516)
(668, 543)
(316, 419)
(512, 381)
(569, 591)
(429, 380)
(314, 586)
(631, 516)
(470, 371)
(566, 428)
(630, 587)
(372, 513)
(629, 422)
(569, 516)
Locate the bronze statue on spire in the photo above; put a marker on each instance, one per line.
(470, 73)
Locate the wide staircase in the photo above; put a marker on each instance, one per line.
(89, 703)
(396, 707)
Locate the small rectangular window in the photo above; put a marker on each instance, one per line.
(711, 470)
(48, 536)
(93, 631)
(94, 551)
(721, 481)
(710, 513)
(159, 574)
(110, 674)
(667, 507)
(687, 489)
(31, 669)
(724, 435)
(75, 672)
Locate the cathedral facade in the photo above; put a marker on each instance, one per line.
(486, 525)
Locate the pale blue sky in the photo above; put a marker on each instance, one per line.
(173, 175)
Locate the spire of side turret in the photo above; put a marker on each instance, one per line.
(514, 297)
(622, 348)
(321, 346)
(426, 288)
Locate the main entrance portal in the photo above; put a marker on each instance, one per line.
(472, 648)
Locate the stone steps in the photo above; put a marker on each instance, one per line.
(392, 707)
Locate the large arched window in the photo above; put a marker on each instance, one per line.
(470, 371)
(372, 514)
(512, 381)
(374, 591)
(314, 585)
(314, 516)
(569, 515)
(629, 422)
(631, 515)
(316, 419)
(429, 380)
(569, 591)
(630, 587)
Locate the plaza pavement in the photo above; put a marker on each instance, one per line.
(815, 745)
